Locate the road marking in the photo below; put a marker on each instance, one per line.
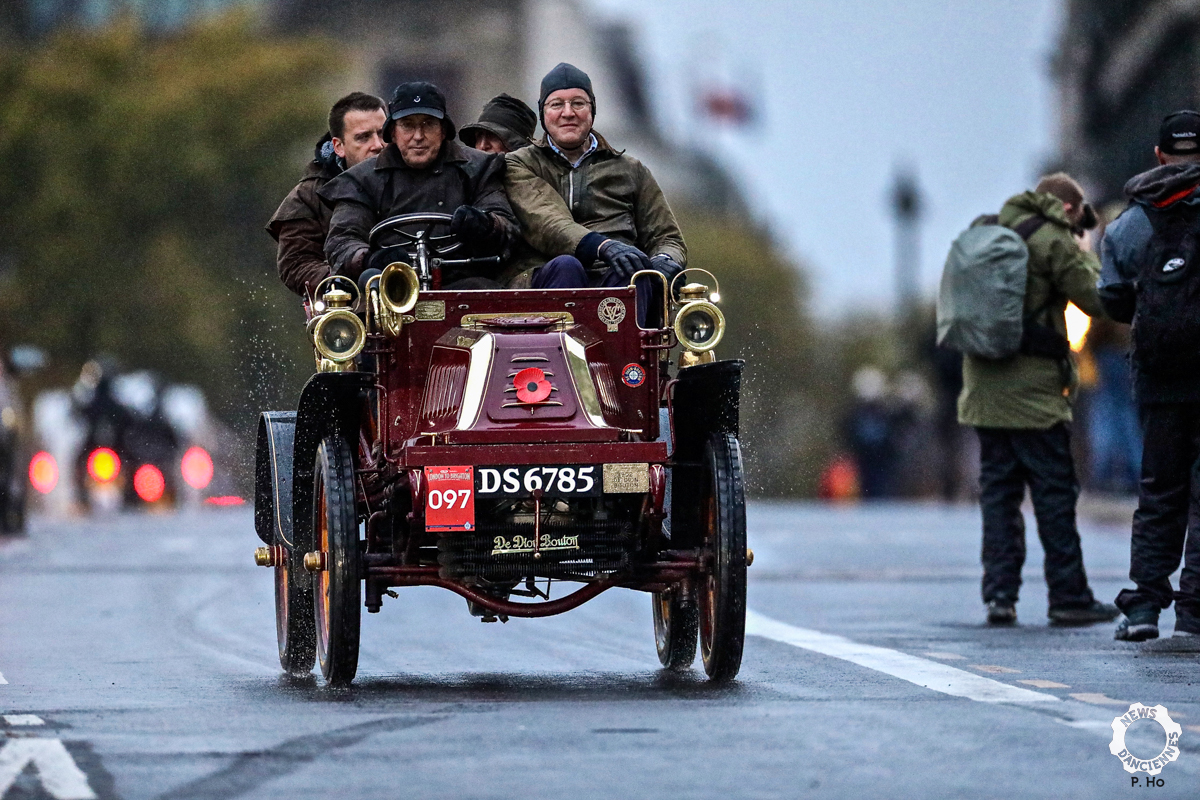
(24, 719)
(993, 669)
(2, 678)
(58, 772)
(947, 656)
(1097, 699)
(1038, 683)
(1195, 728)
(927, 674)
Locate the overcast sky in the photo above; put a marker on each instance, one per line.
(958, 89)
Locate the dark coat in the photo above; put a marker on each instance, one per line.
(385, 186)
(1128, 243)
(609, 193)
(300, 226)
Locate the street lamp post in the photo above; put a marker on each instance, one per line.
(907, 208)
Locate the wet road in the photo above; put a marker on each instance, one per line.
(139, 656)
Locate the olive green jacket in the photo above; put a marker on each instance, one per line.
(1026, 391)
(608, 193)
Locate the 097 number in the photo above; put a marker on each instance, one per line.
(448, 498)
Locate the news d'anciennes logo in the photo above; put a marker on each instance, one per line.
(1170, 750)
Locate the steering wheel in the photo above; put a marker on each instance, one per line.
(443, 244)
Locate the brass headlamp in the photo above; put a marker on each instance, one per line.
(699, 324)
(338, 334)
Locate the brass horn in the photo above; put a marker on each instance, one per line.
(398, 289)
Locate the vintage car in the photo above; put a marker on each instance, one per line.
(505, 444)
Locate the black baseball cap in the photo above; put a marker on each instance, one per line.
(1179, 134)
(417, 97)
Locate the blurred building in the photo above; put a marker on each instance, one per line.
(1121, 66)
(472, 49)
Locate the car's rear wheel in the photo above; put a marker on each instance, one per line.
(338, 600)
(293, 614)
(675, 626)
(721, 593)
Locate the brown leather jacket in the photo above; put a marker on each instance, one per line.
(300, 226)
(385, 186)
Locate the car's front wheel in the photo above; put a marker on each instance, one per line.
(722, 591)
(293, 613)
(338, 600)
(675, 626)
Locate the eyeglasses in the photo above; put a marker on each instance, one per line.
(577, 105)
(412, 124)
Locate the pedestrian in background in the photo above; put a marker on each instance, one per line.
(1020, 406)
(1151, 279)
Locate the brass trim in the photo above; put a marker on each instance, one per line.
(626, 478)
(360, 335)
(718, 319)
(563, 318)
(430, 311)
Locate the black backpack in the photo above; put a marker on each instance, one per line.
(1166, 325)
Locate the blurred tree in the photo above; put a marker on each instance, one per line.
(136, 173)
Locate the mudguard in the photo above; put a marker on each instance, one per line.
(704, 401)
(330, 403)
(273, 476)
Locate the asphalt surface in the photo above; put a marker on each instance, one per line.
(144, 646)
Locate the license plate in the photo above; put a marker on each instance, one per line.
(554, 481)
(450, 499)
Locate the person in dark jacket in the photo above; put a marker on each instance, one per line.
(1137, 258)
(505, 124)
(301, 223)
(597, 213)
(422, 169)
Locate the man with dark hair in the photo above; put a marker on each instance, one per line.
(1021, 408)
(301, 223)
(505, 124)
(1151, 278)
(597, 213)
(422, 169)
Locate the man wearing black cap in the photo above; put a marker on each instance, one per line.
(301, 222)
(506, 124)
(422, 169)
(1151, 278)
(596, 212)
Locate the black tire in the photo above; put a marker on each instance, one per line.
(294, 628)
(675, 627)
(721, 594)
(338, 588)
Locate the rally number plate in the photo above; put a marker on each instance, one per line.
(554, 481)
(450, 499)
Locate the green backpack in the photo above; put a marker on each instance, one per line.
(981, 301)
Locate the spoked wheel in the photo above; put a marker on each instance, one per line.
(293, 615)
(339, 585)
(722, 589)
(675, 626)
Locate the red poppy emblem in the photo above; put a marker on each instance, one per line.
(532, 386)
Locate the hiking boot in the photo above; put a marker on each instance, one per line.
(1001, 612)
(1186, 625)
(1138, 626)
(1096, 612)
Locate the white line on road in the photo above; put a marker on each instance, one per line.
(922, 672)
(58, 772)
(2, 678)
(24, 719)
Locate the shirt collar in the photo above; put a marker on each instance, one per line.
(592, 145)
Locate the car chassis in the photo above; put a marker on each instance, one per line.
(495, 443)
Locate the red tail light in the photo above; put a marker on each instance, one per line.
(103, 465)
(148, 483)
(43, 472)
(197, 467)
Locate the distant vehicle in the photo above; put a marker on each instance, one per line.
(19, 362)
(133, 452)
(500, 444)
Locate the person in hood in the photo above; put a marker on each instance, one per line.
(422, 169)
(1150, 279)
(597, 213)
(505, 124)
(301, 222)
(1021, 408)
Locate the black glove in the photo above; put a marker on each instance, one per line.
(379, 259)
(623, 258)
(471, 226)
(668, 266)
